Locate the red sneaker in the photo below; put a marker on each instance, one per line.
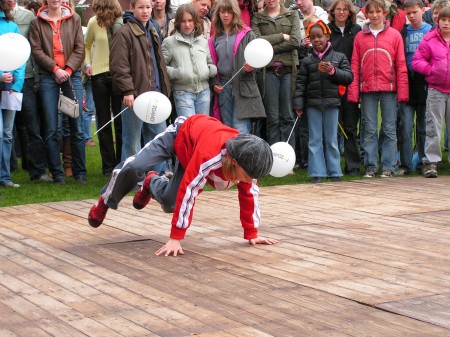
(143, 196)
(97, 213)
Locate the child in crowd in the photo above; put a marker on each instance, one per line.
(431, 15)
(240, 100)
(412, 34)
(432, 59)
(189, 63)
(146, 60)
(319, 78)
(380, 76)
(208, 153)
(344, 28)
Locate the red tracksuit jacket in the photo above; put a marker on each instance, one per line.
(200, 148)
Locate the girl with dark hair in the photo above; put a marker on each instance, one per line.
(189, 63)
(319, 79)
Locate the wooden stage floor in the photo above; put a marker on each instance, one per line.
(360, 258)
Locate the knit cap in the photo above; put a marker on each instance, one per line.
(252, 153)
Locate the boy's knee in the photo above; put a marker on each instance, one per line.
(167, 204)
(167, 208)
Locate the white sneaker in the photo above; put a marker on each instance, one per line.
(10, 184)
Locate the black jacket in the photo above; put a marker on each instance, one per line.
(343, 42)
(317, 89)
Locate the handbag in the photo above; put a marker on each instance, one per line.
(68, 106)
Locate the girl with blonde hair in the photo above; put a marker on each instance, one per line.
(100, 29)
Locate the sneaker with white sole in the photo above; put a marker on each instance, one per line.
(369, 174)
(10, 184)
(387, 174)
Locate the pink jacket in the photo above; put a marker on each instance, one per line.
(378, 64)
(432, 59)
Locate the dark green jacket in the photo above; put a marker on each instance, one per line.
(287, 22)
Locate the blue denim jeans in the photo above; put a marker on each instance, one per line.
(405, 133)
(49, 92)
(132, 130)
(6, 142)
(189, 103)
(228, 111)
(278, 104)
(369, 108)
(323, 127)
(87, 115)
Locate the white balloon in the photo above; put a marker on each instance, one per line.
(14, 51)
(258, 53)
(283, 159)
(152, 107)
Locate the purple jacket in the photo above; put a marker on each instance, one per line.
(432, 59)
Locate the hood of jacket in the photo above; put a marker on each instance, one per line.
(66, 12)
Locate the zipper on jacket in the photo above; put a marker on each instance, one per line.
(375, 62)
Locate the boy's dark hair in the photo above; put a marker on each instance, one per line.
(375, 4)
(189, 9)
(412, 3)
(444, 13)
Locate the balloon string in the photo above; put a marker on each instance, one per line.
(342, 129)
(233, 77)
(292, 130)
(110, 121)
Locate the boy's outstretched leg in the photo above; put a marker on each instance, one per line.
(97, 213)
(143, 196)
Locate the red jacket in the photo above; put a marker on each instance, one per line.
(378, 64)
(200, 149)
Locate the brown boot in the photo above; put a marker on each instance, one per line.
(67, 157)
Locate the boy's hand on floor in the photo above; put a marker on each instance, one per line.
(171, 247)
(261, 240)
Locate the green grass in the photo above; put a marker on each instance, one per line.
(32, 192)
